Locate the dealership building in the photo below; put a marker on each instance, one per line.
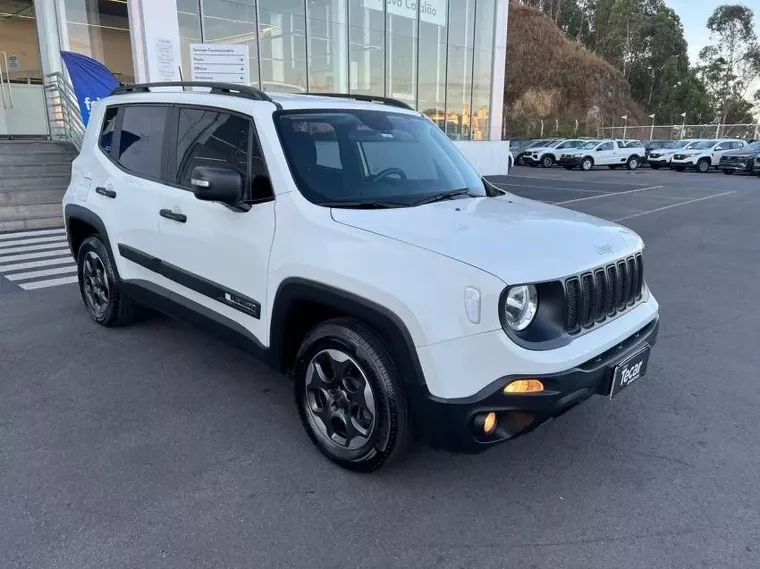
(446, 58)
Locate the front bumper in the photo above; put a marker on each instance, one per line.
(450, 423)
(570, 161)
(736, 166)
(683, 163)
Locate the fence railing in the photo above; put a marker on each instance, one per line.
(63, 111)
(678, 131)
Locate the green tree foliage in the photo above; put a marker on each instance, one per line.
(644, 39)
(731, 64)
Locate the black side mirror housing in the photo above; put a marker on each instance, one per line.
(214, 184)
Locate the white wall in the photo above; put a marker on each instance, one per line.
(488, 157)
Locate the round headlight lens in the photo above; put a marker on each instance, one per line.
(520, 306)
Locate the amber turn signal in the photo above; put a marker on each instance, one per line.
(523, 386)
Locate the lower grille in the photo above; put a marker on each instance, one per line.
(595, 296)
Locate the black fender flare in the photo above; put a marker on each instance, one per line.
(74, 211)
(378, 317)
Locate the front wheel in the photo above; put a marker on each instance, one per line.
(350, 397)
(703, 165)
(587, 164)
(547, 161)
(106, 303)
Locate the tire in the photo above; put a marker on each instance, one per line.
(654, 166)
(633, 163)
(547, 161)
(106, 303)
(587, 164)
(359, 428)
(703, 165)
(520, 161)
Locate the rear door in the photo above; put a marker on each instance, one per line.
(217, 255)
(126, 196)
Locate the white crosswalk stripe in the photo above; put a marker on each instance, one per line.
(37, 259)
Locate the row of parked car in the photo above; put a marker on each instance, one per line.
(728, 154)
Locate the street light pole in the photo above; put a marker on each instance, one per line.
(651, 130)
(683, 126)
(625, 125)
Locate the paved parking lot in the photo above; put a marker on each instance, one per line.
(157, 446)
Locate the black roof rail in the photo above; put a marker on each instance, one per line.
(366, 98)
(216, 88)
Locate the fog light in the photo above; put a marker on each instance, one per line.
(489, 423)
(523, 386)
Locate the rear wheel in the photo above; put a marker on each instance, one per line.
(106, 303)
(633, 163)
(587, 164)
(703, 165)
(349, 395)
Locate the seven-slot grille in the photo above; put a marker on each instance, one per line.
(602, 293)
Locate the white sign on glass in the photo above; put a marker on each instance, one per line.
(432, 11)
(218, 62)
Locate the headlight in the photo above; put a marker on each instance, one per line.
(520, 305)
(577, 155)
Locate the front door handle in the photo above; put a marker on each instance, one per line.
(169, 214)
(105, 192)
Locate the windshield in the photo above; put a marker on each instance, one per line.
(753, 147)
(701, 145)
(538, 143)
(590, 145)
(678, 144)
(554, 144)
(372, 156)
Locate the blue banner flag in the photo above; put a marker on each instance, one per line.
(91, 80)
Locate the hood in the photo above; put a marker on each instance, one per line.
(515, 239)
(665, 151)
(742, 152)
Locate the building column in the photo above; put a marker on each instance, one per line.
(154, 34)
(499, 69)
(51, 34)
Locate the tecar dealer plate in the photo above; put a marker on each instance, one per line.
(629, 371)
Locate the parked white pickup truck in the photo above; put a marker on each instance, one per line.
(610, 153)
(705, 154)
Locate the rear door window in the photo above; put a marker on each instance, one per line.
(141, 139)
(109, 126)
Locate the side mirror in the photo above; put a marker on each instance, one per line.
(718, 148)
(214, 184)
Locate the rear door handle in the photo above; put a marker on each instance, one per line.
(105, 192)
(169, 214)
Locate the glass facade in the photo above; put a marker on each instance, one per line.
(436, 55)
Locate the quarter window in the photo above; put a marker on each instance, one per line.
(109, 125)
(141, 139)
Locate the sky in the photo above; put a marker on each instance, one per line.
(694, 15)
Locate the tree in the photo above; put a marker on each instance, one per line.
(732, 63)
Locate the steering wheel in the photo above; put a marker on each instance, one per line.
(388, 172)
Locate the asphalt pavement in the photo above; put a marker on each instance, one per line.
(156, 445)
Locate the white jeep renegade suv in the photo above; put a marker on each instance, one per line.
(345, 240)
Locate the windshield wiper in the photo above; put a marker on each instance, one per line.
(442, 196)
(361, 204)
